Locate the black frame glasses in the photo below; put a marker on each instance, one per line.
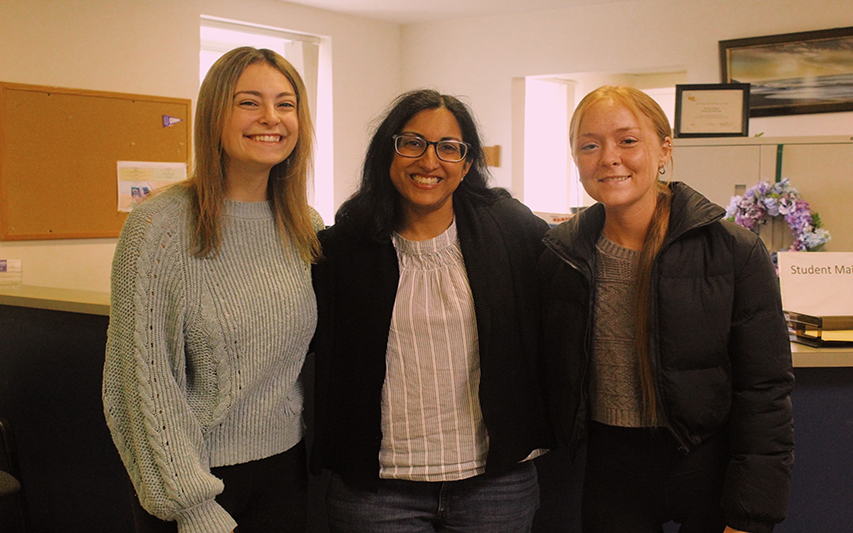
(443, 149)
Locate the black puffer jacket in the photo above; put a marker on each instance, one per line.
(718, 343)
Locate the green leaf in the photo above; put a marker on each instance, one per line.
(816, 222)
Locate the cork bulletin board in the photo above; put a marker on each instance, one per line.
(58, 154)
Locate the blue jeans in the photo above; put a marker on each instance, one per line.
(503, 503)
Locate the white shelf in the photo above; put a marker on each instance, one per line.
(808, 356)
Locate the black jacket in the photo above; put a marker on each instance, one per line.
(719, 346)
(356, 286)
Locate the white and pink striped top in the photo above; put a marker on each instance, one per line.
(432, 425)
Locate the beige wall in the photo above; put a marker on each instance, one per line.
(151, 47)
(482, 56)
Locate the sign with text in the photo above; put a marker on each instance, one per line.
(817, 283)
(10, 273)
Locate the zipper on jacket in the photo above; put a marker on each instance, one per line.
(583, 411)
(680, 441)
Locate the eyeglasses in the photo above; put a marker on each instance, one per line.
(414, 146)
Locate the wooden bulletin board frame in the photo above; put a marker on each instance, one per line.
(59, 150)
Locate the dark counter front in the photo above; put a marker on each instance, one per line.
(822, 488)
(51, 363)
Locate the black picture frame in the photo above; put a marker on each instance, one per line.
(712, 110)
(793, 73)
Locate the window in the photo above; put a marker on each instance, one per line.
(547, 160)
(309, 56)
(551, 182)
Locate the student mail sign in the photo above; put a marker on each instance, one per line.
(817, 283)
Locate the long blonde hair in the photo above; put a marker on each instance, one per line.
(288, 181)
(643, 106)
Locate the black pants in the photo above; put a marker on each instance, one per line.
(636, 481)
(264, 496)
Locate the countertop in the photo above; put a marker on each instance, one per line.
(50, 298)
(98, 303)
(807, 356)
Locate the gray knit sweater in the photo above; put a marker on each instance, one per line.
(615, 394)
(203, 355)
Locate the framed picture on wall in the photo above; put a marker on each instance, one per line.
(793, 73)
(712, 110)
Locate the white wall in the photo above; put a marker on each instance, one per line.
(481, 56)
(151, 47)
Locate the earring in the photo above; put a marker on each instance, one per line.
(662, 170)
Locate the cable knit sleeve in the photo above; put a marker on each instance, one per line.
(317, 220)
(159, 440)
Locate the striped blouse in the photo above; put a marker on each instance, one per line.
(432, 425)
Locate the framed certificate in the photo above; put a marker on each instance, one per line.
(712, 110)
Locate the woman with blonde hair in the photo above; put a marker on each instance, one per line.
(212, 313)
(667, 347)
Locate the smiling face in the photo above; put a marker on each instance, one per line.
(261, 128)
(426, 183)
(618, 155)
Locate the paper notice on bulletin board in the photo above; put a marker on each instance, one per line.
(137, 179)
(819, 284)
(10, 273)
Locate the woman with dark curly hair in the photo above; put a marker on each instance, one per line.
(429, 407)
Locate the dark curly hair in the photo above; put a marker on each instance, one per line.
(373, 211)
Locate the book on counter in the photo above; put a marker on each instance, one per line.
(820, 331)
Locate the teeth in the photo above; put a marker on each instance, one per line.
(621, 178)
(266, 138)
(425, 180)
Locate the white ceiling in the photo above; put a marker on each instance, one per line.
(408, 11)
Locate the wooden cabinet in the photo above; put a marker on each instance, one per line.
(821, 168)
